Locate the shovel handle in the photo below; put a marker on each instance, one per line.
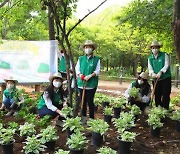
(83, 94)
(153, 91)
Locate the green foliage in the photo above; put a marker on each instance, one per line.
(175, 115)
(159, 111)
(33, 145)
(135, 110)
(31, 118)
(13, 125)
(6, 136)
(154, 120)
(44, 121)
(48, 134)
(134, 92)
(108, 111)
(60, 151)
(67, 111)
(118, 102)
(128, 136)
(106, 150)
(77, 141)
(27, 129)
(73, 124)
(98, 126)
(1, 116)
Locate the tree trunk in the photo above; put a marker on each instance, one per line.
(176, 28)
(135, 62)
(51, 24)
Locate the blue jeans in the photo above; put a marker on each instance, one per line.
(8, 102)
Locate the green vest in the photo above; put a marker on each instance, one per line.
(158, 64)
(57, 100)
(88, 66)
(9, 94)
(62, 64)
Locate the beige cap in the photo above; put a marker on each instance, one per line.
(144, 75)
(155, 43)
(11, 79)
(55, 75)
(89, 42)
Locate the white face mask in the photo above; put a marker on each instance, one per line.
(155, 51)
(10, 86)
(88, 51)
(57, 84)
(140, 82)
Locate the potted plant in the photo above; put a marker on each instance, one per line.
(13, 125)
(108, 114)
(98, 128)
(159, 111)
(61, 151)
(77, 142)
(135, 110)
(155, 123)
(106, 150)
(125, 140)
(27, 129)
(33, 145)
(97, 102)
(176, 117)
(134, 92)
(71, 124)
(67, 111)
(49, 136)
(105, 101)
(7, 140)
(118, 105)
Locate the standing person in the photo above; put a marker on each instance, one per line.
(52, 99)
(143, 99)
(88, 70)
(12, 97)
(159, 70)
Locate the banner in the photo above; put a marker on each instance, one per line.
(28, 61)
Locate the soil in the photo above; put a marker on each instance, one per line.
(167, 143)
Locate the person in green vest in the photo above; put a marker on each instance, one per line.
(12, 97)
(159, 70)
(88, 70)
(52, 100)
(144, 95)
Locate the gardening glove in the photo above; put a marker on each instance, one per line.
(88, 77)
(159, 74)
(65, 82)
(154, 75)
(81, 76)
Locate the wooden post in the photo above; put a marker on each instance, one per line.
(37, 88)
(176, 76)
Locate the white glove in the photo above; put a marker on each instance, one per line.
(154, 75)
(88, 77)
(159, 74)
(65, 82)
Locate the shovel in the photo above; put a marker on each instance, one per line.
(83, 94)
(147, 109)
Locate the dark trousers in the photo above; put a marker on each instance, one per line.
(162, 92)
(88, 99)
(141, 105)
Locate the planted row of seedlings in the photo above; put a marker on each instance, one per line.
(123, 121)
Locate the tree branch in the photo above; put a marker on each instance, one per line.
(80, 20)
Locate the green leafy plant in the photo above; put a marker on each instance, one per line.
(72, 124)
(27, 129)
(13, 125)
(154, 121)
(108, 110)
(118, 102)
(60, 151)
(6, 136)
(135, 110)
(67, 111)
(48, 134)
(98, 126)
(1, 116)
(175, 115)
(31, 118)
(106, 150)
(77, 141)
(127, 136)
(159, 111)
(33, 145)
(44, 121)
(134, 92)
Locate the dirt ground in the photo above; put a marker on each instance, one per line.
(167, 143)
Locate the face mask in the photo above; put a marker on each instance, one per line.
(10, 86)
(56, 84)
(88, 51)
(140, 82)
(155, 51)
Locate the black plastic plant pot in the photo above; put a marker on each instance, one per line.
(75, 151)
(108, 118)
(177, 126)
(124, 147)
(50, 145)
(117, 112)
(7, 148)
(104, 104)
(97, 139)
(155, 132)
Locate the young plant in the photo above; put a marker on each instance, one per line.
(106, 150)
(72, 124)
(135, 110)
(134, 92)
(127, 136)
(98, 126)
(13, 125)
(159, 111)
(48, 134)
(33, 145)
(6, 136)
(27, 129)
(154, 121)
(108, 111)
(175, 115)
(60, 151)
(118, 102)
(43, 122)
(77, 141)
(1, 116)
(67, 111)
